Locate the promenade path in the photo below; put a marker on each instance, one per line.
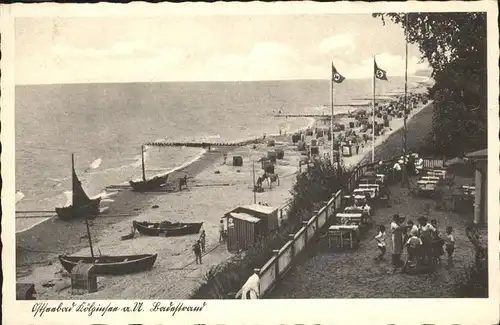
(326, 273)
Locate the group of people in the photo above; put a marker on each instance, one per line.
(199, 245)
(423, 242)
(414, 165)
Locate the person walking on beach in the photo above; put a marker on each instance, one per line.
(202, 240)
(221, 232)
(197, 251)
(380, 238)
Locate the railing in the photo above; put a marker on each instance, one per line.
(282, 261)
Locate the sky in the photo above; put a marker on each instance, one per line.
(206, 48)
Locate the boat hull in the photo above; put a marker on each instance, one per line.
(111, 265)
(170, 230)
(71, 213)
(149, 185)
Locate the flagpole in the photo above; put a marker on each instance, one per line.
(331, 119)
(373, 113)
(405, 171)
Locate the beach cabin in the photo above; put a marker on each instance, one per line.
(243, 230)
(269, 215)
(346, 150)
(480, 159)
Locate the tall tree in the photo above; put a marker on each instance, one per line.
(455, 46)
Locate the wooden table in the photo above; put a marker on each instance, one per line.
(366, 211)
(339, 231)
(437, 172)
(361, 191)
(430, 178)
(344, 218)
(376, 187)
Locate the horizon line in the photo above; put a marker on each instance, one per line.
(201, 81)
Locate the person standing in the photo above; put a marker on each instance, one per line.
(202, 240)
(449, 241)
(419, 166)
(221, 232)
(437, 243)
(397, 240)
(413, 243)
(426, 234)
(197, 251)
(396, 170)
(380, 238)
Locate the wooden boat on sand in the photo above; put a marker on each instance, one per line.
(82, 205)
(111, 265)
(166, 228)
(145, 185)
(108, 264)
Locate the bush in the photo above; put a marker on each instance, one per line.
(313, 187)
(473, 281)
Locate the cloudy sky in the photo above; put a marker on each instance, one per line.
(206, 48)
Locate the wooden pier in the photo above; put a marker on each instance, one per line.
(205, 145)
(303, 115)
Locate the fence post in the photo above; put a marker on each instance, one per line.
(291, 237)
(316, 212)
(304, 224)
(327, 207)
(277, 265)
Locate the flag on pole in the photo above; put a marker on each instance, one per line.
(379, 73)
(336, 76)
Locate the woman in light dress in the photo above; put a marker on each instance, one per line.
(397, 231)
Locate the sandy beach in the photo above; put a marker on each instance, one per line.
(214, 188)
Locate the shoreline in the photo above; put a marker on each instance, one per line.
(105, 194)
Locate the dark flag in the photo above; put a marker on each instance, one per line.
(379, 73)
(336, 76)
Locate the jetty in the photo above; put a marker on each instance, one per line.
(303, 115)
(200, 144)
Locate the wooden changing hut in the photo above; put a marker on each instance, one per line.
(247, 224)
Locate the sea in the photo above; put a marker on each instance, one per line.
(105, 124)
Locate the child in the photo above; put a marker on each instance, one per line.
(380, 238)
(449, 241)
(221, 232)
(413, 243)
